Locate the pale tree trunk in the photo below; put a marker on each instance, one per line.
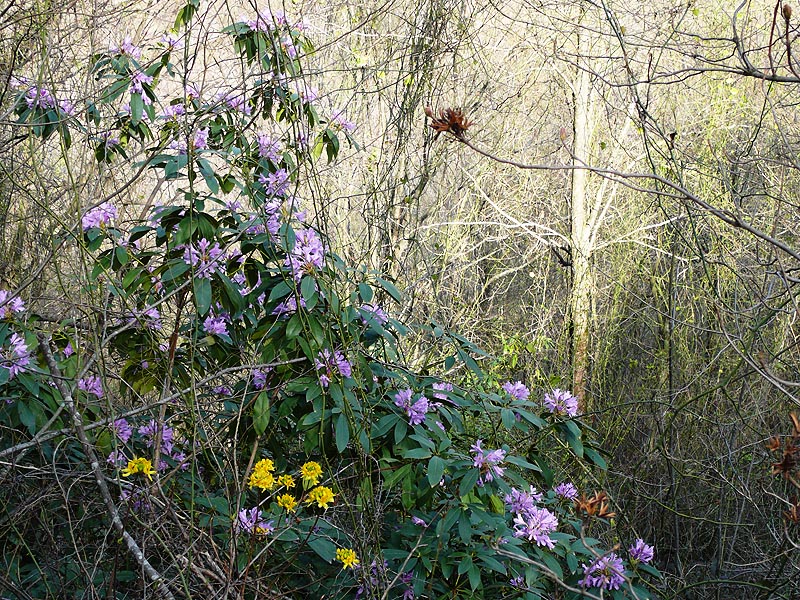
(580, 225)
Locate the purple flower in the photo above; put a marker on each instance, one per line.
(216, 325)
(371, 313)
(37, 97)
(277, 183)
(205, 258)
(307, 255)
(172, 40)
(566, 490)
(259, 379)
(641, 551)
(516, 389)
(268, 148)
(251, 521)
(222, 390)
(606, 573)
(148, 317)
(536, 526)
(200, 141)
(149, 432)
(288, 306)
(522, 502)
(16, 357)
(69, 350)
(173, 111)
(338, 119)
(441, 389)
(117, 457)
(10, 307)
(517, 582)
(416, 411)
(267, 21)
(418, 521)
(91, 385)
(487, 462)
(99, 216)
(328, 362)
(122, 429)
(560, 402)
(127, 48)
(137, 81)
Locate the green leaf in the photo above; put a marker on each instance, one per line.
(435, 470)
(137, 107)
(594, 456)
(261, 413)
(324, 548)
(508, 418)
(202, 294)
(391, 289)
(474, 575)
(493, 563)
(468, 482)
(208, 174)
(396, 475)
(365, 291)
(308, 288)
(342, 432)
(294, 326)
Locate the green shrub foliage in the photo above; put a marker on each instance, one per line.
(243, 406)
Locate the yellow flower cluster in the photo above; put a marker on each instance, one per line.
(286, 481)
(139, 465)
(287, 502)
(262, 475)
(347, 557)
(321, 495)
(310, 472)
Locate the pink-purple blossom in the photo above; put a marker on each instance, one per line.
(16, 357)
(441, 389)
(99, 216)
(251, 521)
(277, 183)
(372, 313)
(488, 461)
(205, 258)
(416, 410)
(536, 525)
(606, 573)
(10, 305)
(149, 431)
(122, 429)
(307, 255)
(566, 490)
(91, 385)
(138, 80)
(516, 390)
(288, 306)
(522, 502)
(331, 363)
(641, 551)
(127, 48)
(216, 324)
(560, 402)
(268, 148)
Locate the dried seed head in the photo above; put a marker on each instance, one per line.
(787, 12)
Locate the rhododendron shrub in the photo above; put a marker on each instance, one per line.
(242, 420)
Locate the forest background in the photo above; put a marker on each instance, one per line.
(620, 218)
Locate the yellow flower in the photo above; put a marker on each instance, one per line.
(139, 465)
(262, 476)
(286, 481)
(321, 495)
(311, 472)
(347, 557)
(288, 502)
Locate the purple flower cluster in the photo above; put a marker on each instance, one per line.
(606, 573)
(10, 306)
(267, 21)
(99, 216)
(522, 502)
(330, 362)
(516, 390)
(205, 258)
(91, 385)
(560, 402)
(137, 82)
(371, 582)
(288, 306)
(260, 379)
(338, 119)
(641, 552)
(128, 48)
(122, 429)
(251, 521)
(307, 255)
(268, 148)
(173, 111)
(43, 99)
(16, 357)
(371, 313)
(488, 461)
(440, 390)
(535, 525)
(566, 490)
(277, 183)
(149, 431)
(216, 324)
(417, 410)
(235, 101)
